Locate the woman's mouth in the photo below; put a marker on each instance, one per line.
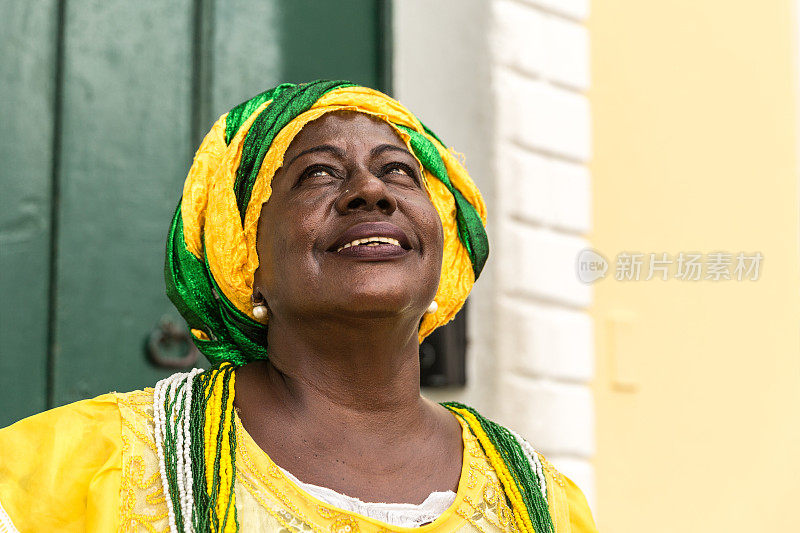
(372, 240)
(372, 248)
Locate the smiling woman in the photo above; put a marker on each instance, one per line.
(323, 232)
(349, 228)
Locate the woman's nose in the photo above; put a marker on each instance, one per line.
(367, 192)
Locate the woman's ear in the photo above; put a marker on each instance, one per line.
(256, 297)
(260, 309)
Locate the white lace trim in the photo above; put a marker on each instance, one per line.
(6, 525)
(396, 514)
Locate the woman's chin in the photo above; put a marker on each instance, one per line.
(377, 304)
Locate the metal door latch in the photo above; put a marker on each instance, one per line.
(167, 339)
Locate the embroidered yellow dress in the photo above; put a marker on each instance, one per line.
(93, 466)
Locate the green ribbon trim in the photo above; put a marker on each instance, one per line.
(233, 336)
(286, 106)
(514, 458)
(470, 226)
(242, 112)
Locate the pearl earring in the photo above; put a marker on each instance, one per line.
(432, 308)
(260, 312)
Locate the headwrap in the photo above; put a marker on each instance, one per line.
(211, 249)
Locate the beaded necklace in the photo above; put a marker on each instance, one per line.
(517, 465)
(196, 443)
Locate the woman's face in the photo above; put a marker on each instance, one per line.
(349, 228)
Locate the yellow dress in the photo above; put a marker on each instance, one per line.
(93, 466)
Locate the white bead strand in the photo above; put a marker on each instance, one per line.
(187, 495)
(159, 421)
(533, 460)
(176, 426)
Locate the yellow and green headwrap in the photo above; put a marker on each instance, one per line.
(211, 248)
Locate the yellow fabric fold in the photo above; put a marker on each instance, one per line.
(580, 515)
(61, 470)
(568, 508)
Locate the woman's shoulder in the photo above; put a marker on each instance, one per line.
(55, 463)
(68, 421)
(85, 416)
(566, 503)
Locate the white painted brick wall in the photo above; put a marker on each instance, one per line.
(524, 191)
(566, 52)
(539, 116)
(571, 196)
(544, 335)
(540, 263)
(518, 39)
(575, 9)
(557, 418)
(546, 341)
(543, 190)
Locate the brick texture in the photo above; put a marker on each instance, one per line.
(543, 190)
(540, 263)
(557, 418)
(536, 332)
(575, 9)
(566, 57)
(540, 116)
(544, 336)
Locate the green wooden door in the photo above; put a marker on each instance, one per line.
(103, 104)
(28, 47)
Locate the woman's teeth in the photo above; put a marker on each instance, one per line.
(369, 241)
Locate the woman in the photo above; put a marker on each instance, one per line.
(323, 232)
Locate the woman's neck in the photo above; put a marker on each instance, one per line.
(338, 404)
(364, 370)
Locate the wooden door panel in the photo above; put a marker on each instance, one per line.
(333, 40)
(27, 69)
(246, 57)
(125, 150)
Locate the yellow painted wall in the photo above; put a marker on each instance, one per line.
(695, 149)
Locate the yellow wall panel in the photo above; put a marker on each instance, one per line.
(694, 107)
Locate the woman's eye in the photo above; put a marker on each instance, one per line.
(397, 169)
(316, 173)
(400, 170)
